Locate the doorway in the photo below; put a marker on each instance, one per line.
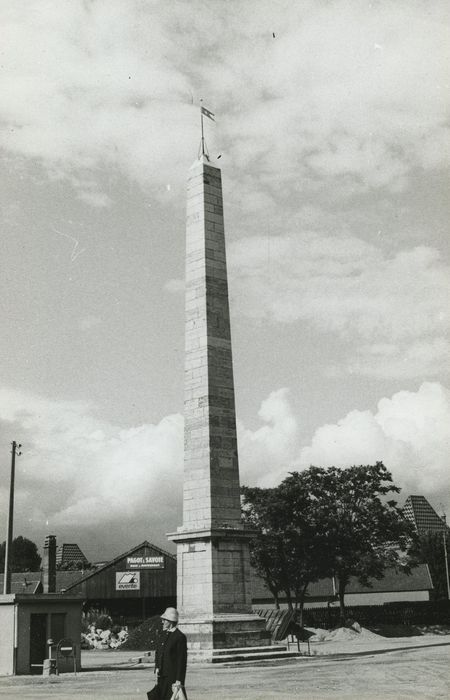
(38, 641)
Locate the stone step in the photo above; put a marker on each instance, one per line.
(266, 649)
(240, 654)
(254, 656)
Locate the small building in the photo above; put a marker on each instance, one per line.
(27, 622)
(32, 613)
(395, 586)
(67, 554)
(131, 587)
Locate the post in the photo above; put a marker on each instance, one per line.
(444, 535)
(9, 535)
(202, 143)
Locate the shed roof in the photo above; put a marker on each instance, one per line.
(100, 569)
(28, 582)
(393, 581)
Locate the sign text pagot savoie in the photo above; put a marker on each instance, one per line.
(145, 562)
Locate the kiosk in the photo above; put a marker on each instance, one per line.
(28, 622)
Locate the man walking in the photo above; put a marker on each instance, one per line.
(171, 655)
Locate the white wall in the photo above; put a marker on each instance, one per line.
(380, 598)
(7, 639)
(352, 599)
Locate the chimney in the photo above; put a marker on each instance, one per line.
(49, 565)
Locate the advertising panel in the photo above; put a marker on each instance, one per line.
(128, 581)
(146, 562)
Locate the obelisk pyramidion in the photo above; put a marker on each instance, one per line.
(213, 578)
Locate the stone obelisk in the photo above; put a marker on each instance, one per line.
(213, 578)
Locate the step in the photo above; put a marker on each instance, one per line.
(254, 656)
(240, 654)
(267, 649)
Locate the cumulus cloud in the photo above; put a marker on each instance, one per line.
(423, 358)
(83, 83)
(80, 471)
(266, 453)
(392, 306)
(343, 89)
(410, 433)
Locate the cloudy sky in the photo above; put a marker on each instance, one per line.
(332, 126)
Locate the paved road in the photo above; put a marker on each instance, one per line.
(396, 675)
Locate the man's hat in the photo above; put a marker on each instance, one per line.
(170, 614)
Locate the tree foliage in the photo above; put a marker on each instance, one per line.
(326, 522)
(268, 549)
(428, 548)
(284, 550)
(24, 555)
(75, 565)
(363, 532)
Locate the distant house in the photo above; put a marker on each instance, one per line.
(26, 582)
(422, 515)
(69, 554)
(393, 587)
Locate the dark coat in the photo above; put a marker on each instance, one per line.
(171, 656)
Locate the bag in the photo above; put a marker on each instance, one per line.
(178, 694)
(154, 694)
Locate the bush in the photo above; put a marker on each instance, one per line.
(144, 637)
(103, 622)
(411, 613)
(93, 617)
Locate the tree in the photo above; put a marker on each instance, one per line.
(428, 548)
(284, 550)
(75, 565)
(23, 556)
(267, 547)
(326, 522)
(361, 533)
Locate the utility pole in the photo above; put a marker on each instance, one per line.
(444, 535)
(9, 537)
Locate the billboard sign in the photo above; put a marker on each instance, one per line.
(146, 562)
(128, 581)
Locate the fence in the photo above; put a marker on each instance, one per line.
(404, 613)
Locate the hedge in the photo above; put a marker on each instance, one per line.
(435, 612)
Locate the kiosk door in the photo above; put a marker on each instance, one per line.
(38, 640)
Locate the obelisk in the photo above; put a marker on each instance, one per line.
(213, 564)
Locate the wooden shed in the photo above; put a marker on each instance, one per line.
(131, 587)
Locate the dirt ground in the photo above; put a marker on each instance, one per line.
(401, 670)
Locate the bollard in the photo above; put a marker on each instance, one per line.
(49, 667)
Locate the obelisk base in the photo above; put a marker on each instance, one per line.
(224, 632)
(214, 592)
